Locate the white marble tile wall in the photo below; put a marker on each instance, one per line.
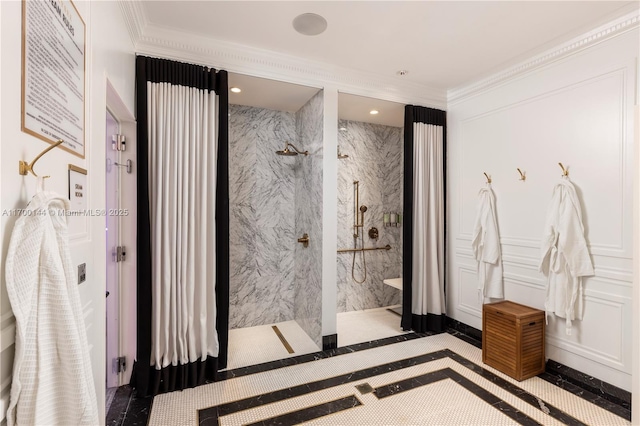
(308, 219)
(262, 214)
(376, 161)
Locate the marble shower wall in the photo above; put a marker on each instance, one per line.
(262, 211)
(308, 218)
(376, 161)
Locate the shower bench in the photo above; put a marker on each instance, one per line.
(395, 283)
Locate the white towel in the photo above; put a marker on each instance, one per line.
(486, 247)
(565, 256)
(52, 381)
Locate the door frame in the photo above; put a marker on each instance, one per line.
(127, 231)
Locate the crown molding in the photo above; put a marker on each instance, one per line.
(154, 40)
(600, 34)
(134, 19)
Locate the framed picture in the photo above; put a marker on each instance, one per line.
(53, 73)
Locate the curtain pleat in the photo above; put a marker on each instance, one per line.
(181, 125)
(424, 206)
(182, 166)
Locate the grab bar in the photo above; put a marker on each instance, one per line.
(387, 247)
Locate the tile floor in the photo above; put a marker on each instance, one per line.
(405, 379)
(353, 327)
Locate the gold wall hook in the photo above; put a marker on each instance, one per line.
(488, 178)
(25, 168)
(565, 172)
(523, 177)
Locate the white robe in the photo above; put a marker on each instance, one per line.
(486, 247)
(565, 256)
(52, 382)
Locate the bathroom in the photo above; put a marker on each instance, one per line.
(275, 199)
(570, 100)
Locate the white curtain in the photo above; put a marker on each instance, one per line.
(182, 188)
(428, 220)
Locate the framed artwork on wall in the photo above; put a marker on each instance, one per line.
(53, 73)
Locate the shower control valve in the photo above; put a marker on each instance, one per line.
(373, 233)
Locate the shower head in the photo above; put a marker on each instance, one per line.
(363, 208)
(286, 151)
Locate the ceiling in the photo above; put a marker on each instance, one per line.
(442, 44)
(280, 96)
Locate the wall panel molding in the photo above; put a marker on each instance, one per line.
(471, 310)
(522, 280)
(563, 51)
(617, 250)
(616, 361)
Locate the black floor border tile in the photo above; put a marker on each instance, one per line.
(119, 406)
(311, 413)
(457, 329)
(515, 390)
(210, 416)
(587, 382)
(316, 356)
(623, 411)
(606, 396)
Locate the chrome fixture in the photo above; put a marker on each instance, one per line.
(304, 240)
(128, 165)
(288, 152)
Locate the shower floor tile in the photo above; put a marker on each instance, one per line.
(259, 344)
(367, 325)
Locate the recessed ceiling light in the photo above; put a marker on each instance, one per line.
(402, 72)
(309, 24)
(236, 90)
(343, 129)
(373, 112)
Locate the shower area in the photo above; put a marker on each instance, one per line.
(275, 225)
(276, 202)
(369, 234)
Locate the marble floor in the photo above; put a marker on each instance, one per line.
(406, 379)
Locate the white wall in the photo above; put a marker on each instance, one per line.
(109, 54)
(579, 111)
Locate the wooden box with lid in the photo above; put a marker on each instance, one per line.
(513, 339)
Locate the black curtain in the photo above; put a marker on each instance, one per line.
(146, 379)
(410, 321)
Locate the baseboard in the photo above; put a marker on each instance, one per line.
(329, 342)
(596, 386)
